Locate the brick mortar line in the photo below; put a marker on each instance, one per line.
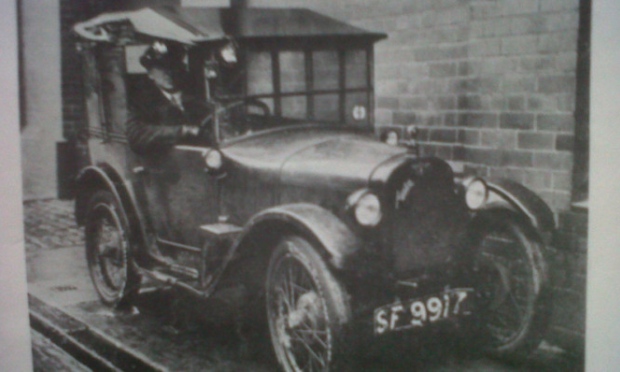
(391, 16)
(473, 111)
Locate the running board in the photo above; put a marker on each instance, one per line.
(221, 231)
(169, 280)
(185, 271)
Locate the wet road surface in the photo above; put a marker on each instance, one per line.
(177, 333)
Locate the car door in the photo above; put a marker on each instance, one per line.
(180, 196)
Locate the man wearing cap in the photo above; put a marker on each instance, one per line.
(164, 114)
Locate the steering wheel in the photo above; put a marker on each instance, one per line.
(261, 105)
(266, 112)
(239, 123)
(231, 126)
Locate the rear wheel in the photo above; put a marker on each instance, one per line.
(515, 286)
(107, 250)
(307, 309)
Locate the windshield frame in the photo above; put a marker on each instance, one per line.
(343, 95)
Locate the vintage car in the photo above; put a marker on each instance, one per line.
(338, 238)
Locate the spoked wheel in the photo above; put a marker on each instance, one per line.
(107, 250)
(306, 309)
(515, 286)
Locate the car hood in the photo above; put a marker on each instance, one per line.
(311, 157)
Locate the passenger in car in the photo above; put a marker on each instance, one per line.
(165, 113)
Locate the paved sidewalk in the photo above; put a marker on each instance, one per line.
(49, 224)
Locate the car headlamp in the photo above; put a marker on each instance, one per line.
(476, 193)
(213, 160)
(366, 208)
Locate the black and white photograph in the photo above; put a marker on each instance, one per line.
(319, 185)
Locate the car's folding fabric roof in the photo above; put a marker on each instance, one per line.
(193, 25)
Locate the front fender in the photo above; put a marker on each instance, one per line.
(512, 195)
(314, 222)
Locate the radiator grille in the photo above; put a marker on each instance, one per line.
(427, 228)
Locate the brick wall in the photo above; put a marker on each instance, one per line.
(567, 258)
(71, 12)
(491, 83)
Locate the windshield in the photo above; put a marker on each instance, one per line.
(276, 88)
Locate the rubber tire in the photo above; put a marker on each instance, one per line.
(100, 204)
(539, 307)
(333, 295)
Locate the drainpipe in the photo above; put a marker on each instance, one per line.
(239, 4)
(237, 8)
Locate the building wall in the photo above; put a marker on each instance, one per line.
(41, 119)
(491, 83)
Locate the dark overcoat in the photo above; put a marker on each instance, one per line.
(155, 124)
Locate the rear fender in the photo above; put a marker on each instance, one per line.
(315, 223)
(104, 177)
(511, 195)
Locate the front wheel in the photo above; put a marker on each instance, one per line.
(514, 284)
(307, 309)
(107, 250)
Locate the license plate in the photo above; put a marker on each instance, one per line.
(420, 312)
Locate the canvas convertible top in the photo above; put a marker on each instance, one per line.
(192, 25)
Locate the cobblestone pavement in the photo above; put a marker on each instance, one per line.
(49, 224)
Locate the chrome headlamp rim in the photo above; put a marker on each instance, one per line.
(476, 193)
(213, 160)
(365, 207)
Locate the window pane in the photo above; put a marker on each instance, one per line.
(294, 107)
(355, 61)
(259, 73)
(113, 88)
(91, 90)
(326, 107)
(269, 103)
(292, 72)
(326, 67)
(357, 109)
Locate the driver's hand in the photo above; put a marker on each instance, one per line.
(190, 131)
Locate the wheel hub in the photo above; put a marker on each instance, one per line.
(307, 309)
